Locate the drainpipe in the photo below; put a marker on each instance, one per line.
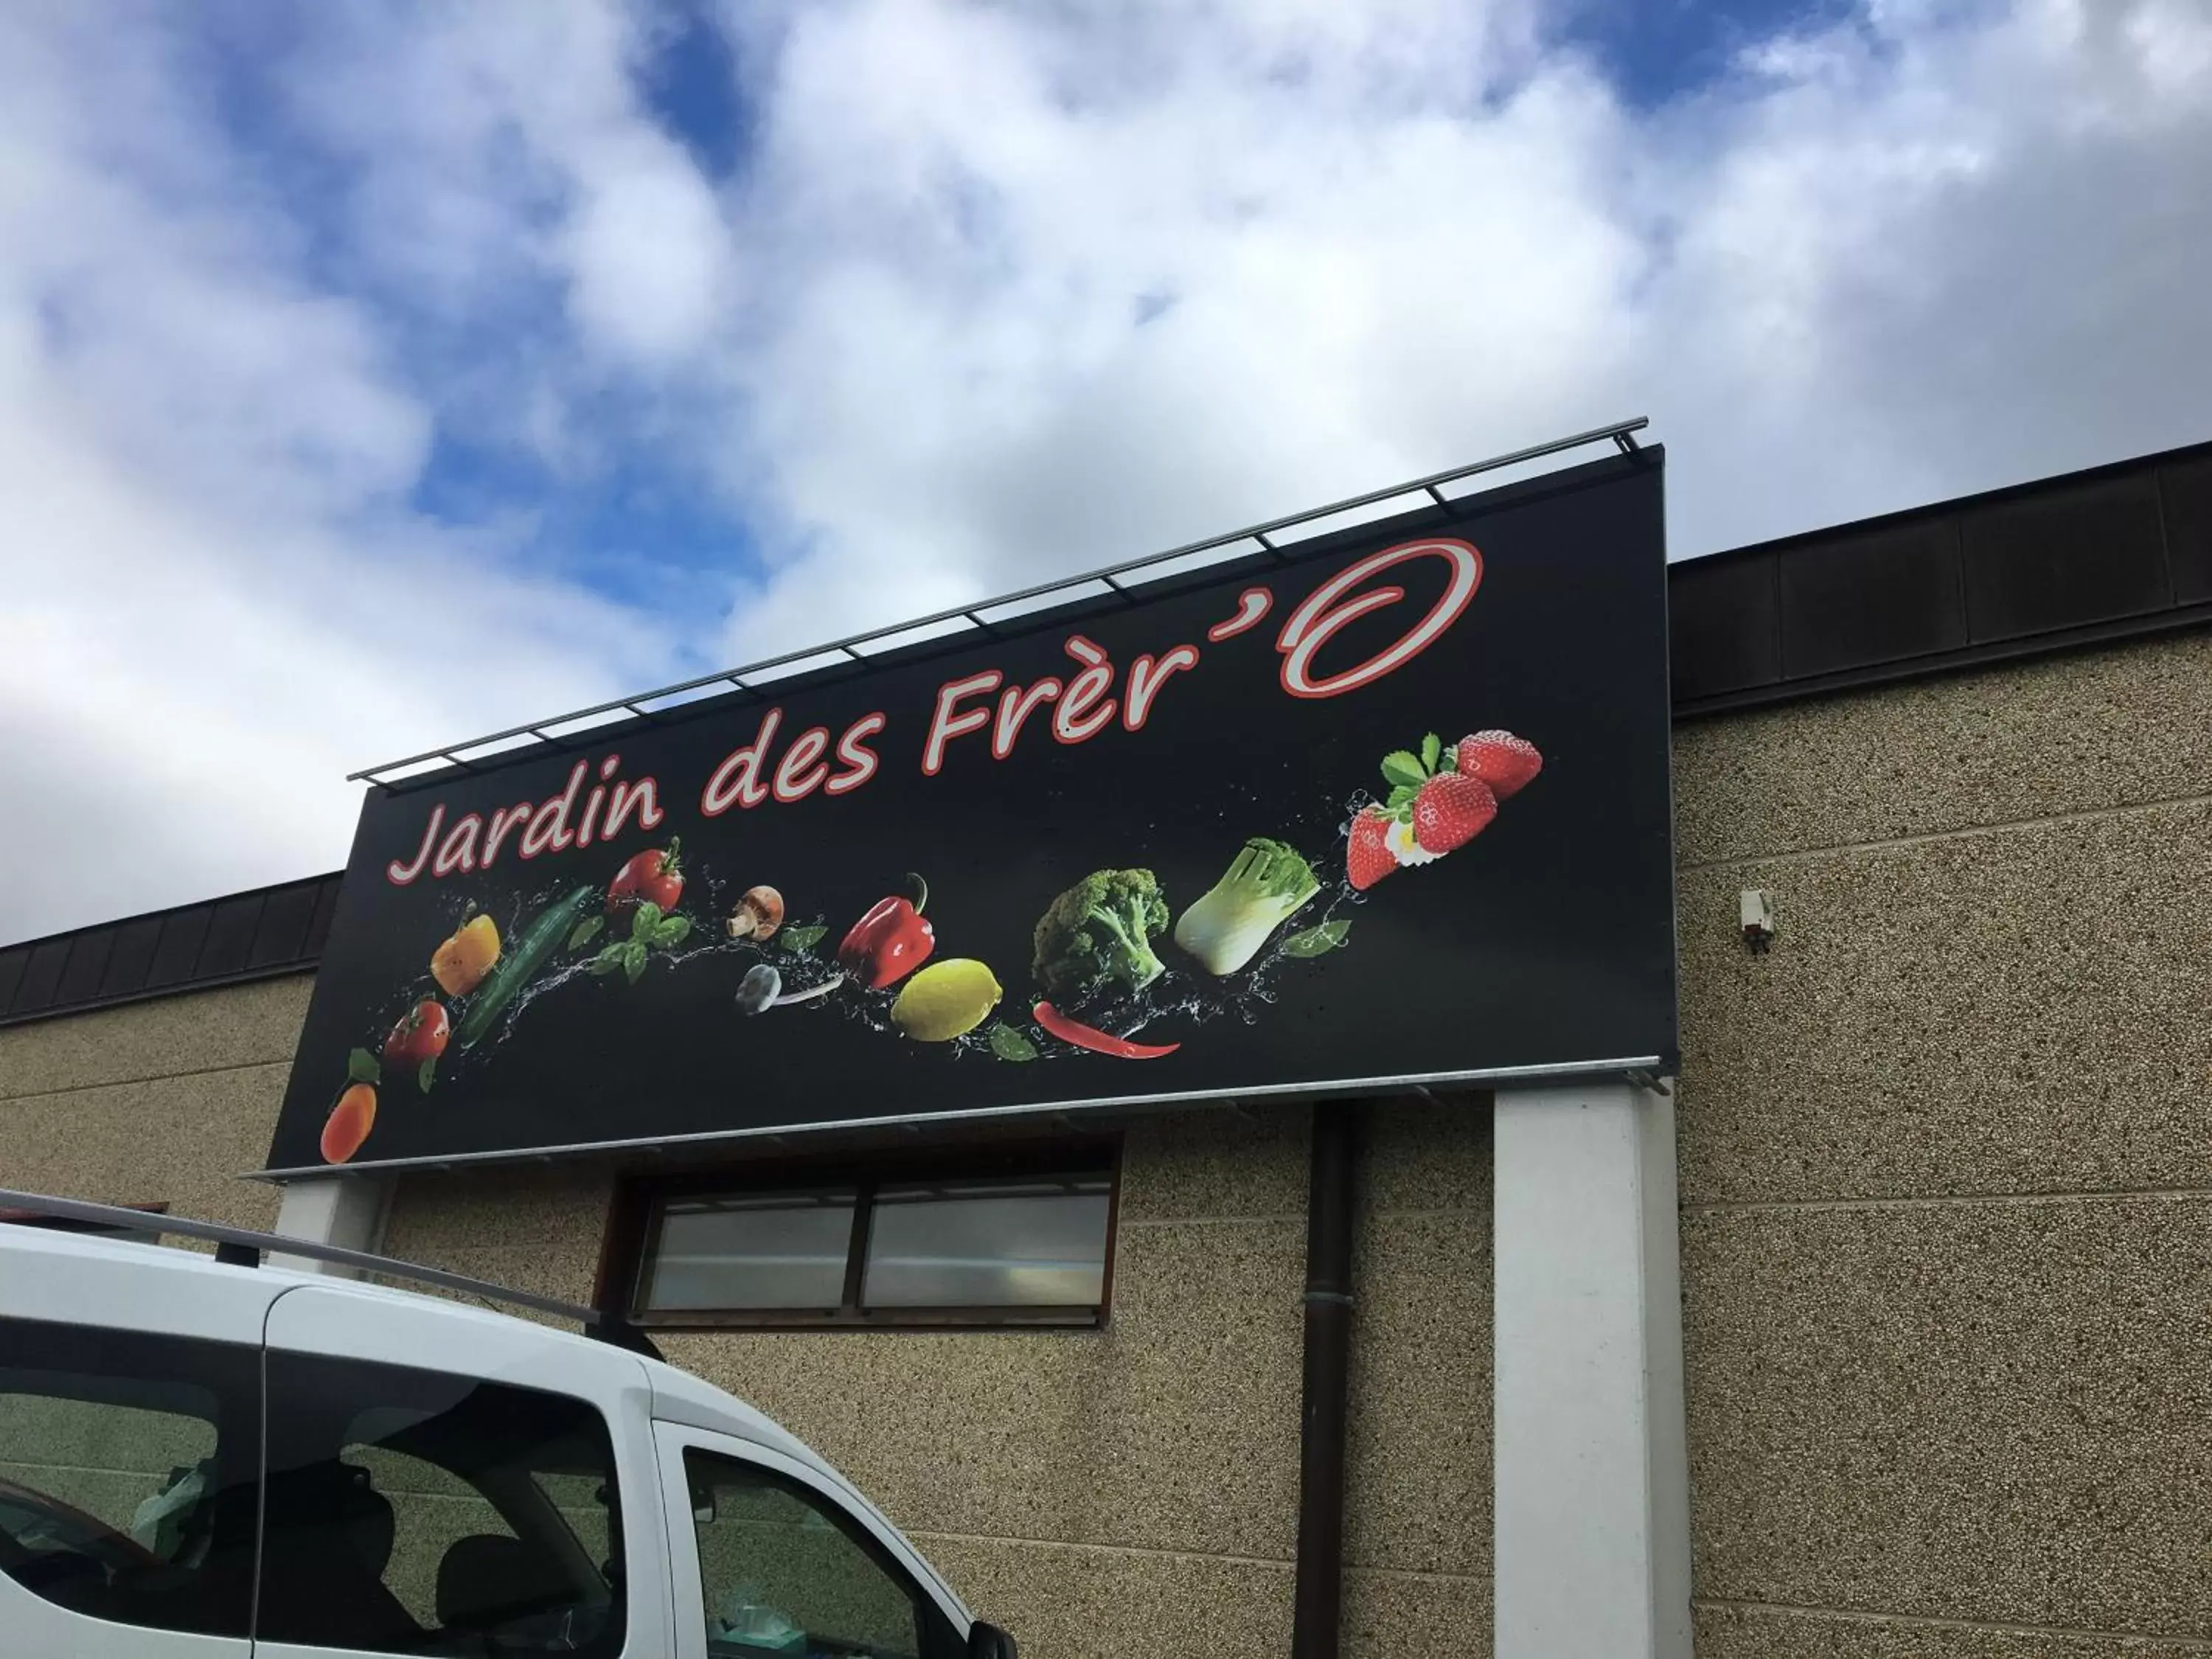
(1318, 1600)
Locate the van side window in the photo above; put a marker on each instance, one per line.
(416, 1511)
(128, 1468)
(781, 1570)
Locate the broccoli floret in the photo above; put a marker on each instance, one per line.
(1099, 932)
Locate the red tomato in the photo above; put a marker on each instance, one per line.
(420, 1036)
(652, 876)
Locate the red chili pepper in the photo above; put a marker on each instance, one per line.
(1090, 1036)
(890, 941)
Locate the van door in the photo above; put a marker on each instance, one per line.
(444, 1481)
(770, 1558)
(129, 1447)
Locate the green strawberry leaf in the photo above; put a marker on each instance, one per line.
(1317, 941)
(586, 931)
(644, 920)
(1432, 746)
(361, 1067)
(673, 931)
(1008, 1044)
(803, 939)
(1398, 766)
(1448, 761)
(425, 1073)
(1402, 796)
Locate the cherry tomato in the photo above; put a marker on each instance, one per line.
(419, 1036)
(652, 876)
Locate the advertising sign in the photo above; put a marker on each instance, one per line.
(1388, 808)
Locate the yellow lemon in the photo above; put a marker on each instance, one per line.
(946, 999)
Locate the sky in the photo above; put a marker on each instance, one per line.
(373, 375)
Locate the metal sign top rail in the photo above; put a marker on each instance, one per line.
(1619, 433)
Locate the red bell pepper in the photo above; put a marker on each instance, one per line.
(890, 941)
(1098, 1042)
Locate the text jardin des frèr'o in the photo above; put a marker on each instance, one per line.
(980, 705)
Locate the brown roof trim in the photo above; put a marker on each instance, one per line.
(2109, 553)
(263, 934)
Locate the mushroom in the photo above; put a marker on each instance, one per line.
(758, 914)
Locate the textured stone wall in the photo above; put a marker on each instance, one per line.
(1946, 1199)
(156, 1101)
(1136, 1488)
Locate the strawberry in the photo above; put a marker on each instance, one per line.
(1369, 859)
(1501, 760)
(1450, 810)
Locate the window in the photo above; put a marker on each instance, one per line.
(782, 1572)
(128, 1465)
(1030, 1244)
(412, 1511)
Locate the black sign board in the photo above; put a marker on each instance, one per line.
(1390, 808)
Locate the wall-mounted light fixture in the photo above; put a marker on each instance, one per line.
(1758, 905)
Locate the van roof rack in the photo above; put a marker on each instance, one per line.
(241, 1247)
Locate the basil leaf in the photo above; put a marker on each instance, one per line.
(1400, 768)
(586, 931)
(633, 962)
(674, 931)
(1009, 1044)
(803, 939)
(361, 1067)
(1317, 941)
(425, 1073)
(607, 961)
(644, 920)
(1432, 746)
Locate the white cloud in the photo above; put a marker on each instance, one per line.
(217, 600)
(1936, 250)
(996, 292)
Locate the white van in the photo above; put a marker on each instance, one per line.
(203, 1460)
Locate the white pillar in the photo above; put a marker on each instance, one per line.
(1591, 1459)
(347, 1211)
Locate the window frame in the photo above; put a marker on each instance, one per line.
(634, 1235)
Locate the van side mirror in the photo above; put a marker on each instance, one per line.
(990, 1642)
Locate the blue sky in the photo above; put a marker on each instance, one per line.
(373, 374)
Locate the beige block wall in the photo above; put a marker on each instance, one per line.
(1137, 1487)
(1946, 1196)
(164, 1102)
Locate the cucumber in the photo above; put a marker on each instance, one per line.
(519, 966)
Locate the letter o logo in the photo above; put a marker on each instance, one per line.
(1326, 611)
